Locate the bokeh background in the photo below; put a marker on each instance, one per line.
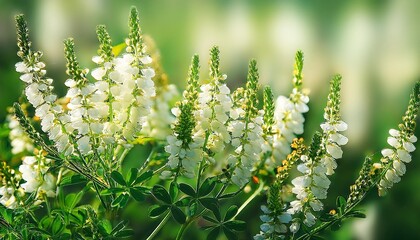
(375, 45)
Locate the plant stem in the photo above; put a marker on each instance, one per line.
(183, 227)
(250, 198)
(158, 227)
(152, 153)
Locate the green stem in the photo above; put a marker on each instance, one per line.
(152, 153)
(158, 227)
(250, 198)
(183, 227)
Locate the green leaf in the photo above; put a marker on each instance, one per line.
(118, 178)
(229, 234)
(192, 208)
(161, 194)
(71, 180)
(111, 191)
(120, 201)
(236, 225)
(143, 177)
(210, 219)
(57, 225)
(137, 194)
(173, 190)
(45, 223)
(214, 233)
(341, 204)
(356, 214)
(72, 199)
(132, 175)
(178, 214)
(207, 186)
(212, 204)
(105, 226)
(231, 212)
(187, 189)
(156, 210)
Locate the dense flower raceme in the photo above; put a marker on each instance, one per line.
(185, 145)
(246, 130)
(313, 185)
(394, 159)
(110, 110)
(288, 118)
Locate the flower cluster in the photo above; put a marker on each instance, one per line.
(246, 131)
(214, 105)
(288, 118)
(394, 159)
(34, 170)
(313, 185)
(101, 114)
(185, 145)
(333, 125)
(39, 92)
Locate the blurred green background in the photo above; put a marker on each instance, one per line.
(375, 45)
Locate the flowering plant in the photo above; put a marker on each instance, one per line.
(67, 176)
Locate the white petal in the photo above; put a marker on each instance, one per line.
(387, 152)
(393, 142)
(404, 156)
(392, 176)
(335, 151)
(339, 139)
(340, 126)
(409, 146)
(394, 133)
(399, 167)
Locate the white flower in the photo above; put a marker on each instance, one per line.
(398, 156)
(157, 124)
(37, 179)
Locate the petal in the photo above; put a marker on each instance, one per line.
(335, 151)
(404, 156)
